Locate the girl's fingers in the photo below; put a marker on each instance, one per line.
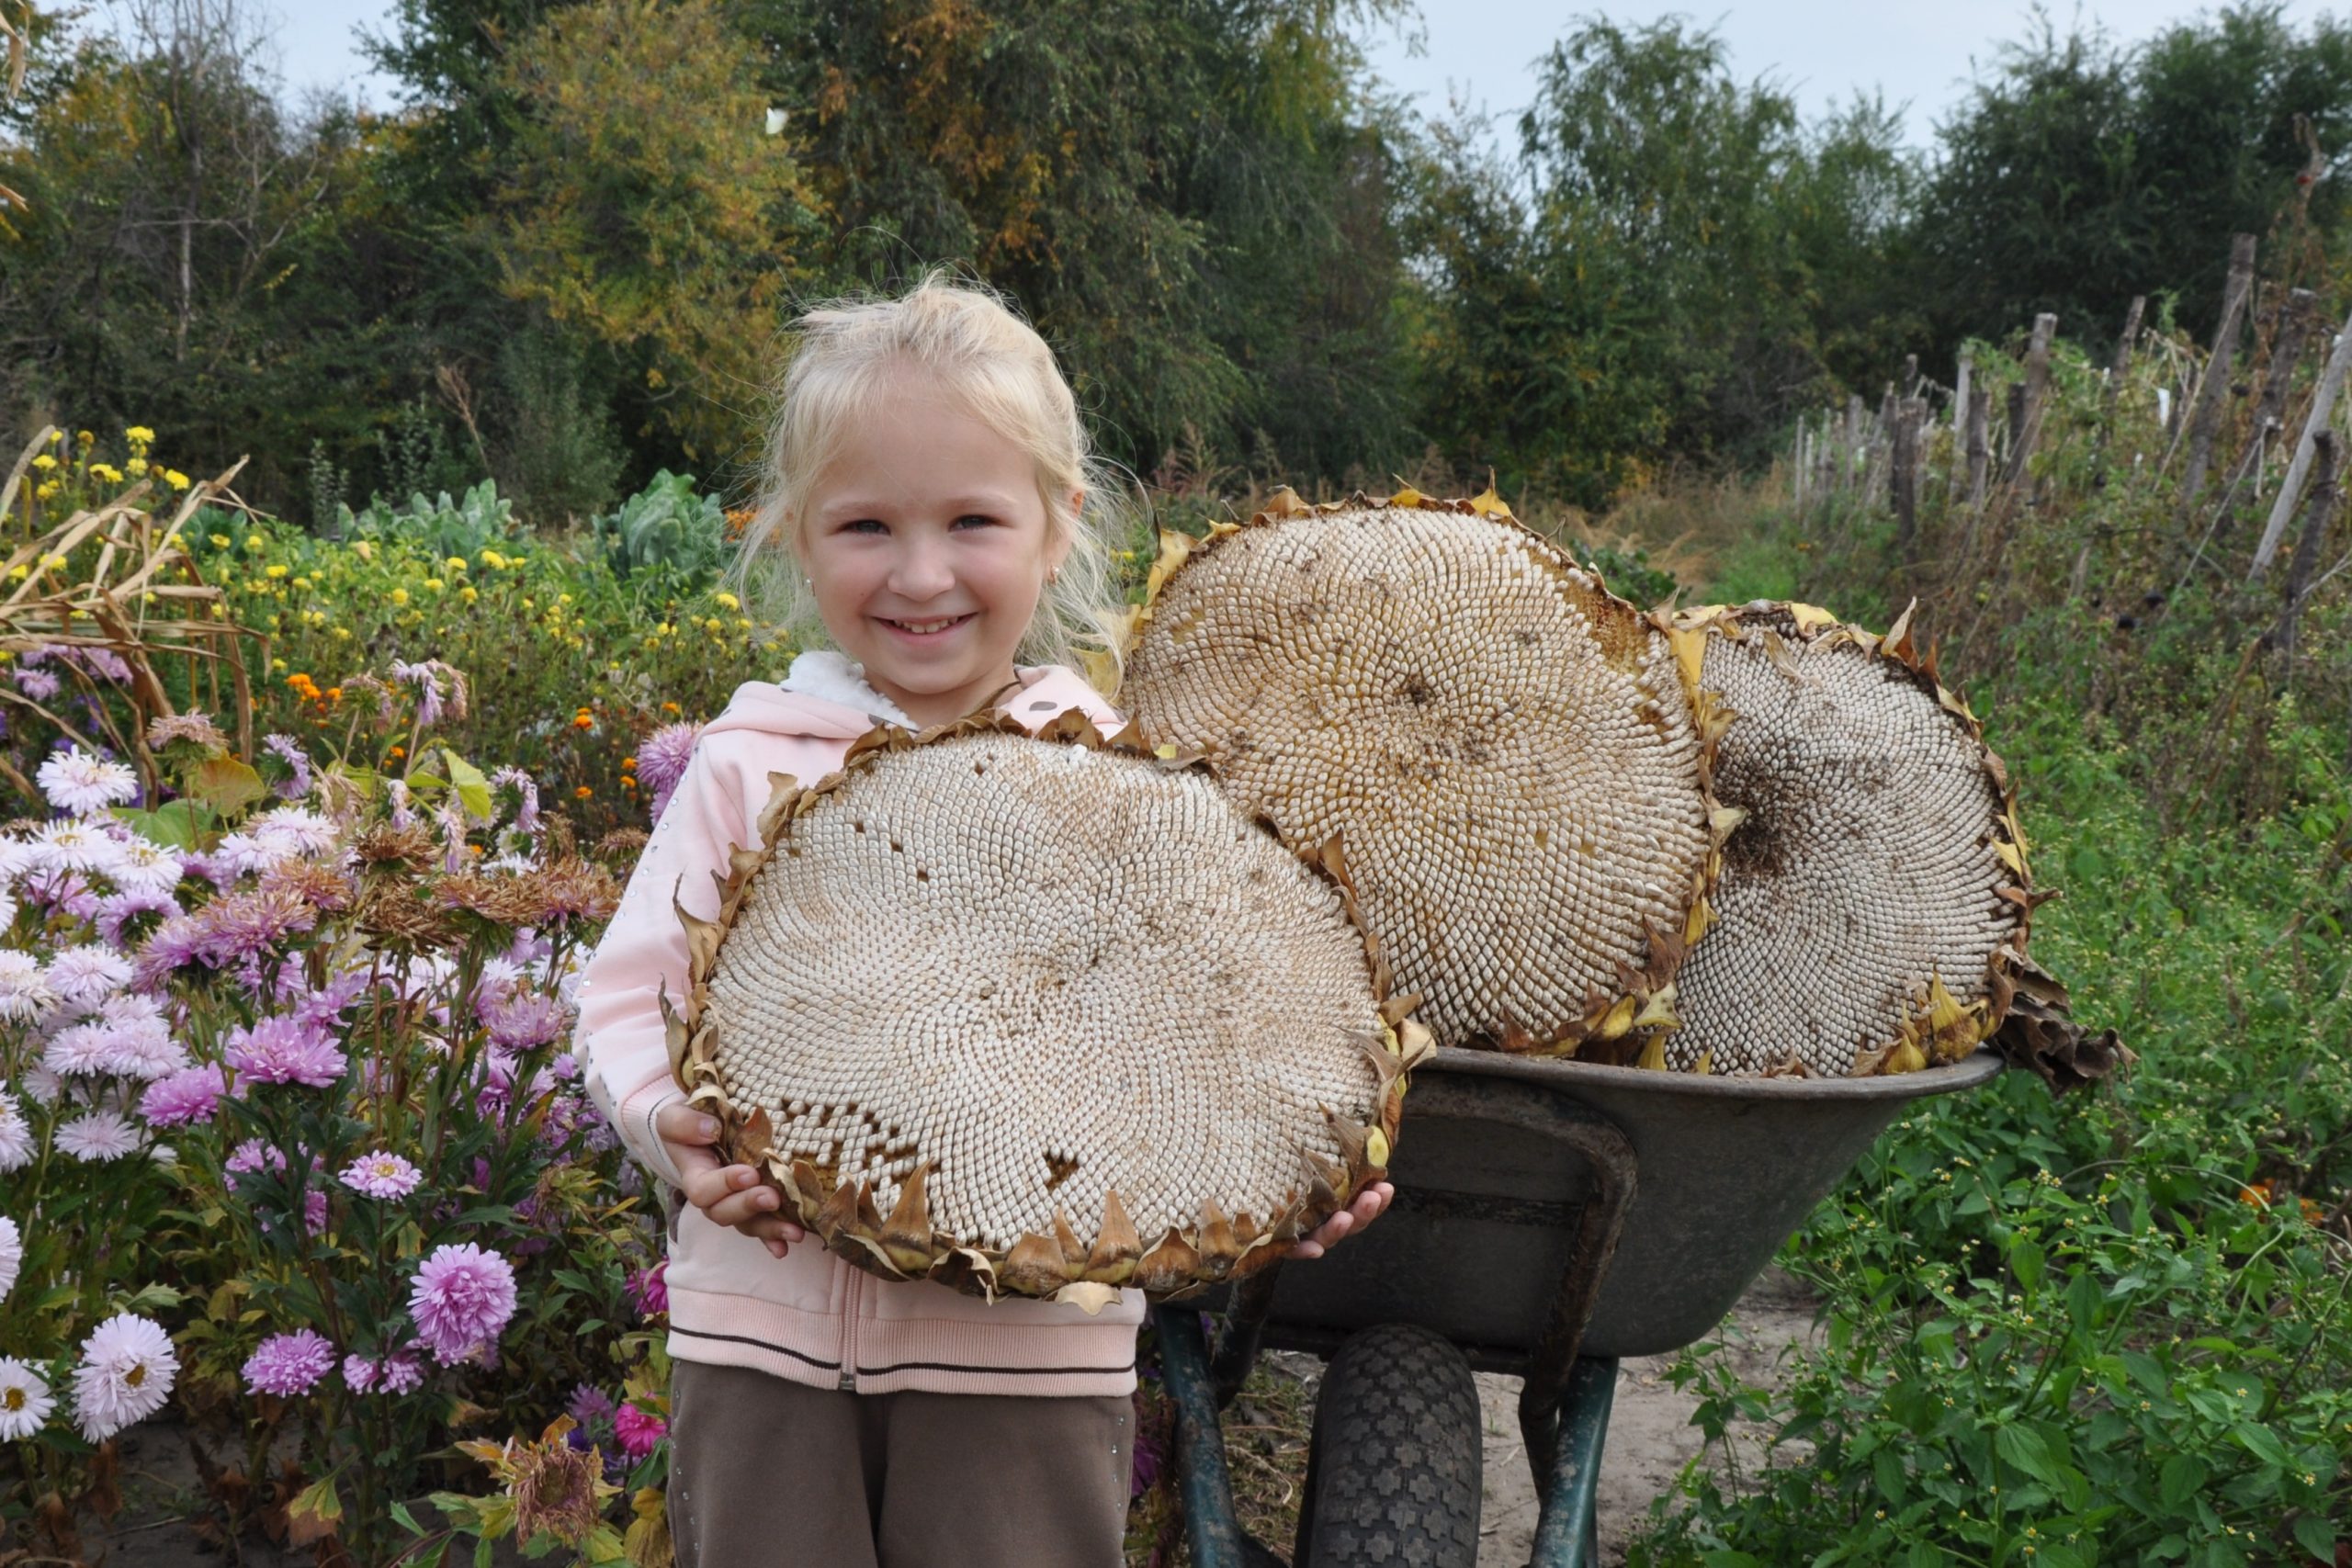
(678, 1122)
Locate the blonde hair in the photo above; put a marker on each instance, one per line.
(962, 335)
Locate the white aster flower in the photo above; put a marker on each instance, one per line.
(24, 990)
(84, 1049)
(12, 1254)
(77, 781)
(69, 845)
(86, 975)
(25, 1401)
(16, 1135)
(295, 829)
(144, 867)
(43, 1085)
(125, 1376)
(99, 1136)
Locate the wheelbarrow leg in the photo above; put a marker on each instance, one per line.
(1567, 1533)
(1211, 1526)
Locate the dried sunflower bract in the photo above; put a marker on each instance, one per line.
(1033, 1015)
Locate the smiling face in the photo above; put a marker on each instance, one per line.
(927, 545)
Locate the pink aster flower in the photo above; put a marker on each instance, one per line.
(382, 1175)
(650, 1289)
(662, 759)
(192, 1094)
(16, 1135)
(284, 1050)
(125, 918)
(637, 1431)
(461, 1298)
(97, 1137)
(81, 1048)
(289, 1364)
(399, 1373)
(87, 975)
(521, 1019)
(124, 1376)
(252, 1155)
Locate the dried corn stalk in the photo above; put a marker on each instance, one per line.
(1875, 901)
(138, 595)
(1506, 752)
(1033, 1015)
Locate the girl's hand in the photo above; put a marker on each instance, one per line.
(728, 1194)
(1354, 1217)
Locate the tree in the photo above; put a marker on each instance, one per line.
(642, 205)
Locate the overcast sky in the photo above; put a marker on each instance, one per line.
(1481, 50)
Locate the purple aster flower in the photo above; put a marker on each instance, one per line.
(382, 1175)
(522, 1020)
(193, 727)
(254, 1155)
(289, 1364)
(126, 918)
(461, 1298)
(662, 759)
(325, 1008)
(177, 943)
(239, 925)
(285, 748)
(37, 684)
(515, 791)
(589, 1405)
(439, 688)
(651, 1290)
(280, 1049)
(192, 1094)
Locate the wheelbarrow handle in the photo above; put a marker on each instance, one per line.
(1211, 1526)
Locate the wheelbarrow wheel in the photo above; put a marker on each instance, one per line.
(1393, 1467)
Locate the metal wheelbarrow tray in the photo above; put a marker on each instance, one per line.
(1551, 1216)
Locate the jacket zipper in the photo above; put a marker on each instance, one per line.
(850, 1303)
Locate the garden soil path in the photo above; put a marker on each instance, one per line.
(1650, 1434)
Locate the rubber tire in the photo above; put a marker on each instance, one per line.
(1392, 1469)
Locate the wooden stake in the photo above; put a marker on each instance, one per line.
(2290, 488)
(2213, 387)
(2316, 518)
(1980, 450)
(1904, 475)
(2026, 434)
(2114, 390)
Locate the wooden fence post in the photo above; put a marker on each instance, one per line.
(2330, 383)
(2026, 432)
(2316, 518)
(2213, 387)
(1902, 478)
(2296, 313)
(1980, 450)
(2113, 391)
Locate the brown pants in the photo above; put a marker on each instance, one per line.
(765, 1473)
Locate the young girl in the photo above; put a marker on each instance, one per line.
(927, 509)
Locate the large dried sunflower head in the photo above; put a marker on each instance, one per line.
(1504, 752)
(1027, 1015)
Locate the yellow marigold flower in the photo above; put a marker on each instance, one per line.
(494, 560)
(456, 564)
(175, 479)
(468, 593)
(742, 624)
(45, 462)
(435, 584)
(255, 542)
(342, 633)
(564, 598)
(365, 550)
(277, 568)
(137, 465)
(106, 471)
(221, 541)
(54, 562)
(399, 595)
(55, 437)
(18, 573)
(43, 492)
(84, 438)
(728, 601)
(140, 433)
(277, 664)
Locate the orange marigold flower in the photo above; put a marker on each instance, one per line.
(2256, 1196)
(669, 707)
(628, 764)
(582, 721)
(397, 751)
(582, 792)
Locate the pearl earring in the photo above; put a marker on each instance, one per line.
(1051, 573)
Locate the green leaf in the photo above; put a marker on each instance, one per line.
(224, 785)
(2026, 1261)
(2316, 1536)
(2022, 1447)
(2180, 1478)
(473, 786)
(172, 823)
(2261, 1442)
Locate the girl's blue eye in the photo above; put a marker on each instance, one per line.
(863, 525)
(977, 519)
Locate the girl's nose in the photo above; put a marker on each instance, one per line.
(922, 571)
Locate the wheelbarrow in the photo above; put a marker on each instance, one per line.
(1551, 1217)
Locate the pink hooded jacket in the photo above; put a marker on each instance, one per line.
(810, 1317)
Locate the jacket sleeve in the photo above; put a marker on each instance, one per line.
(621, 1038)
